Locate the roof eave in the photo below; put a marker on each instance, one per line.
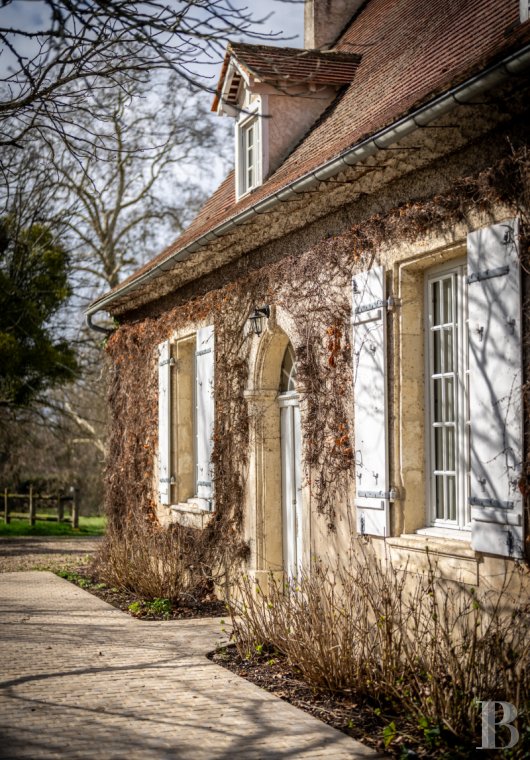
(509, 66)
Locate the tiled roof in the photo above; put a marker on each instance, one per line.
(286, 66)
(411, 51)
(271, 64)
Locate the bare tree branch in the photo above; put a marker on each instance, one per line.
(93, 47)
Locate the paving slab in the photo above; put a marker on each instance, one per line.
(81, 679)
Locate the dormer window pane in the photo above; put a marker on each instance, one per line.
(249, 155)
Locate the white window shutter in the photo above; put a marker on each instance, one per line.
(370, 402)
(495, 394)
(164, 430)
(204, 400)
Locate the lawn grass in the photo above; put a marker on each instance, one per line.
(88, 526)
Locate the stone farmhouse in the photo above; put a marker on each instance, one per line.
(336, 345)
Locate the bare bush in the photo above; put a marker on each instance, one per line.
(153, 562)
(415, 643)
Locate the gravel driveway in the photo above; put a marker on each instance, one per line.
(45, 552)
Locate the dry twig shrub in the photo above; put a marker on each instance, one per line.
(412, 643)
(154, 562)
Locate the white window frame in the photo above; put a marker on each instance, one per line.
(249, 154)
(462, 521)
(251, 118)
(524, 10)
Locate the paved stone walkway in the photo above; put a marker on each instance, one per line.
(45, 552)
(80, 679)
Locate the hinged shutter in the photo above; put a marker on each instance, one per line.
(370, 402)
(164, 411)
(495, 395)
(204, 399)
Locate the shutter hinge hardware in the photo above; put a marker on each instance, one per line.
(171, 481)
(392, 495)
(475, 502)
(487, 274)
(390, 304)
(170, 361)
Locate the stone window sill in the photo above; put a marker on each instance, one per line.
(436, 541)
(191, 508)
(450, 558)
(191, 514)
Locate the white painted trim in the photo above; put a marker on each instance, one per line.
(194, 503)
(293, 538)
(256, 112)
(461, 402)
(524, 10)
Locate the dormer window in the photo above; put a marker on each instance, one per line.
(275, 95)
(249, 161)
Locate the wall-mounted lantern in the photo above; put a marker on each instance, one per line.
(257, 319)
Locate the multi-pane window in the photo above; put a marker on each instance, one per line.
(249, 155)
(447, 397)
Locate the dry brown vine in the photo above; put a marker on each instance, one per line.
(314, 290)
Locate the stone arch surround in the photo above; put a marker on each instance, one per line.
(263, 517)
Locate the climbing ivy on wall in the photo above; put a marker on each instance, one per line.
(314, 287)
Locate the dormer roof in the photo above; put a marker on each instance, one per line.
(281, 67)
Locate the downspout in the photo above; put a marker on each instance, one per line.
(97, 328)
(459, 95)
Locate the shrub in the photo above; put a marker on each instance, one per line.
(424, 647)
(155, 563)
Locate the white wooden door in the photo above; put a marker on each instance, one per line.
(291, 484)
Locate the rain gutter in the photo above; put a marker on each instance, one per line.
(513, 65)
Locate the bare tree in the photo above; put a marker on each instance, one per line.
(99, 124)
(135, 190)
(77, 48)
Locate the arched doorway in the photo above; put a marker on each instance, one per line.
(291, 467)
(277, 526)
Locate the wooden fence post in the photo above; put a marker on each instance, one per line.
(75, 508)
(32, 505)
(60, 508)
(7, 519)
